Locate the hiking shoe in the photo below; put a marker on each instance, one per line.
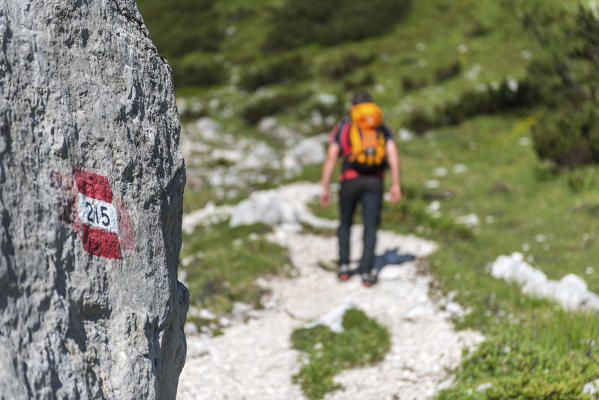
(343, 272)
(369, 278)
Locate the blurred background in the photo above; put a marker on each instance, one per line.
(494, 107)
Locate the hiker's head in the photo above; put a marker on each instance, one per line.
(361, 96)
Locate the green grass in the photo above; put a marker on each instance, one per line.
(225, 263)
(363, 341)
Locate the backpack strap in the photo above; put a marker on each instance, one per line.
(344, 137)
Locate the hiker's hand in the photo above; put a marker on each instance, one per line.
(394, 194)
(324, 198)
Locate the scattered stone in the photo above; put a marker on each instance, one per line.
(588, 270)
(526, 54)
(433, 207)
(468, 220)
(208, 128)
(240, 310)
(208, 215)
(327, 99)
(405, 135)
(590, 388)
(459, 169)
(524, 141)
(432, 184)
(440, 172)
(570, 292)
(473, 73)
(265, 207)
(316, 118)
(308, 151)
(206, 314)
(190, 328)
(267, 124)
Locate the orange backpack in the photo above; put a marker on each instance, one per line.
(367, 141)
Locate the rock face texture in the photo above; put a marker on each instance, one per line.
(91, 183)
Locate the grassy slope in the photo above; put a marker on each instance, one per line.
(534, 349)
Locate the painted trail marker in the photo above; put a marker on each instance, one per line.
(97, 215)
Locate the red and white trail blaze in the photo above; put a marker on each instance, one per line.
(97, 215)
(101, 220)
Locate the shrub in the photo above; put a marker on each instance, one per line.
(362, 81)
(348, 63)
(488, 100)
(567, 136)
(329, 22)
(412, 83)
(182, 26)
(198, 70)
(447, 72)
(285, 69)
(265, 106)
(566, 78)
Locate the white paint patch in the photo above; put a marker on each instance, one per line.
(97, 213)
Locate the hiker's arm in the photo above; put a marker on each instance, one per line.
(393, 159)
(327, 171)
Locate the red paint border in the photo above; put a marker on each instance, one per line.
(93, 185)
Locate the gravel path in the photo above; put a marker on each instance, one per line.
(253, 359)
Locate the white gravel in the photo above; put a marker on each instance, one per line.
(254, 360)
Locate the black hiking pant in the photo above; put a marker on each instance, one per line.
(368, 191)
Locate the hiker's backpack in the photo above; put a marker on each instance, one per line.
(366, 152)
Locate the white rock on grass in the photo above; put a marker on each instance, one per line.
(468, 220)
(513, 268)
(432, 184)
(405, 135)
(590, 388)
(208, 215)
(433, 207)
(327, 99)
(208, 128)
(291, 165)
(459, 169)
(267, 124)
(484, 386)
(287, 134)
(524, 141)
(440, 172)
(309, 151)
(285, 205)
(265, 207)
(570, 292)
(257, 156)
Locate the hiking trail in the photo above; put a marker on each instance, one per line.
(253, 359)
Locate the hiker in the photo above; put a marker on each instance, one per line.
(367, 148)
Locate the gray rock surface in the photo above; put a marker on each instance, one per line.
(91, 182)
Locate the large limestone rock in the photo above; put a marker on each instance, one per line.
(91, 182)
